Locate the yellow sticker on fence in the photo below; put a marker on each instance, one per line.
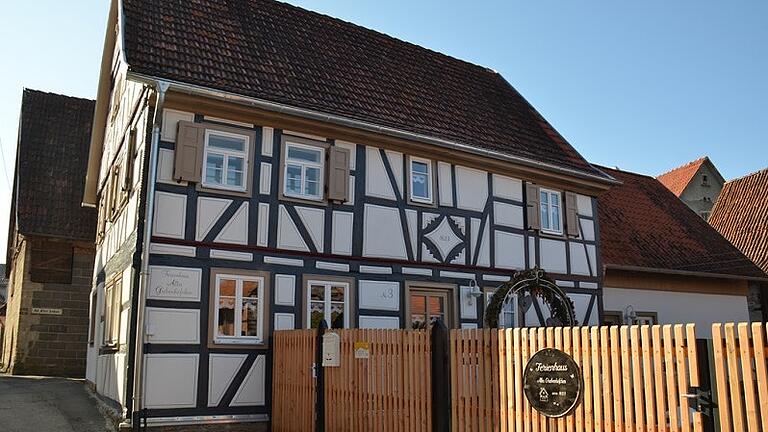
(362, 350)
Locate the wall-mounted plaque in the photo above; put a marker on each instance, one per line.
(174, 283)
(552, 382)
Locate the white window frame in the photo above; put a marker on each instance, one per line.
(326, 301)
(550, 193)
(226, 153)
(430, 199)
(515, 310)
(304, 165)
(237, 338)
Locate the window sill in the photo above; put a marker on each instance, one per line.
(223, 191)
(320, 202)
(238, 345)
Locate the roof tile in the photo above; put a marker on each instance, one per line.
(677, 179)
(284, 54)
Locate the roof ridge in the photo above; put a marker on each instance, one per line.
(381, 33)
(685, 165)
(743, 177)
(49, 93)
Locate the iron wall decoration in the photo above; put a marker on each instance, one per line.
(552, 382)
(533, 284)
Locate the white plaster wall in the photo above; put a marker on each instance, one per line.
(679, 307)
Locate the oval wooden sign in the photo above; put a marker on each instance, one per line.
(552, 382)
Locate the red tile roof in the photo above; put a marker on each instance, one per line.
(284, 54)
(677, 179)
(740, 214)
(643, 224)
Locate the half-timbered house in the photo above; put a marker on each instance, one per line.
(258, 167)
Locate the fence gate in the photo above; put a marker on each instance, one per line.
(636, 378)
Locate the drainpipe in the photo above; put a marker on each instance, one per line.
(138, 373)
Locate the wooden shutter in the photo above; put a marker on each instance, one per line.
(533, 209)
(129, 158)
(338, 174)
(188, 160)
(571, 215)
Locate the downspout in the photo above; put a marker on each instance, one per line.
(138, 374)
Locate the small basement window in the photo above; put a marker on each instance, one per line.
(225, 160)
(304, 168)
(551, 215)
(421, 180)
(239, 309)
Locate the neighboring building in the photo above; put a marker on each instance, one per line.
(306, 169)
(696, 183)
(663, 264)
(3, 285)
(50, 239)
(741, 216)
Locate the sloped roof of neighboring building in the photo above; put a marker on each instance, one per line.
(287, 55)
(644, 225)
(677, 179)
(740, 214)
(51, 161)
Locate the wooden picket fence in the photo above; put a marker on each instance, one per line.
(636, 378)
(742, 379)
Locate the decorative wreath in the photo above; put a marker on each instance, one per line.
(536, 282)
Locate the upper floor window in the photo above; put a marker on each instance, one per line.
(421, 180)
(226, 157)
(304, 168)
(112, 310)
(239, 303)
(551, 216)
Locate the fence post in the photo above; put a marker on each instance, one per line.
(441, 378)
(320, 379)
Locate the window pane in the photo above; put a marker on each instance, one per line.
(293, 179)
(250, 289)
(316, 313)
(420, 185)
(227, 287)
(226, 316)
(250, 317)
(418, 304)
(235, 171)
(555, 218)
(544, 198)
(544, 216)
(337, 293)
(419, 167)
(554, 200)
(214, 168)
(337, 315)
(317, 293)
(303, 154)
(226, 142)
(312, 186)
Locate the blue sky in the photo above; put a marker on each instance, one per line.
(644, 85)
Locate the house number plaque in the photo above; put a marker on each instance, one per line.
(552, 382)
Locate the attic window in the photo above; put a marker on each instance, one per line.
(704, 180)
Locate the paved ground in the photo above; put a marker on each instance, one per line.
(41, 404)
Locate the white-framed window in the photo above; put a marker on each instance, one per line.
(328, 301)
(508, 314)
(225, 163)
(551, 214)
(304, 169)
(239, 309)
(421, 180)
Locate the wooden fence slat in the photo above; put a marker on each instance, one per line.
(748, 376)
(577, 358)
(568, 348)
(658, 375)
(682, 378)
(733, 378)
(647, 367)
(501, 363)
(520, 410)
(693, 368)
(587, 372)
(758, 338)
(596, 379)
(637, 378)
(559, 345)
(720, 375)
(626, 370)
(618, 413)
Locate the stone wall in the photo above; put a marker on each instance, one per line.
(47, 323)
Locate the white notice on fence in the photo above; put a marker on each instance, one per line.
(331, 345)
